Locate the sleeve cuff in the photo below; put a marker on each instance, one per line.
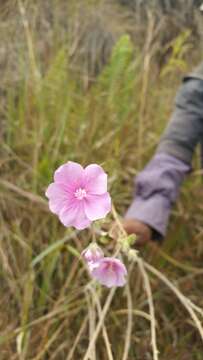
(153, 211)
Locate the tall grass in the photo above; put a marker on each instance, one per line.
(54, 109)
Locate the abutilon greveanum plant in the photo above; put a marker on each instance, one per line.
(79, 196)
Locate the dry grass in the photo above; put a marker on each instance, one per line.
(61, 98)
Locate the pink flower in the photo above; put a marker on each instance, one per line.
(92, 253)
(109, 272)
(79, 195)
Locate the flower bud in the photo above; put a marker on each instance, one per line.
(132, 254)
(92, 253)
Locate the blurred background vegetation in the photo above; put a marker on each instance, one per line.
(90, 81)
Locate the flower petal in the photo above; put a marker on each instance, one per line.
(58, 197)
(69, 174)
(81, 222)
(55, 205)
(55, 191)
(95, 179)
(74, 216)
(97, 206)
(105, 277)
(120, 267)
(109, 272)
(121, 281)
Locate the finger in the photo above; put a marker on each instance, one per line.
(141, 241)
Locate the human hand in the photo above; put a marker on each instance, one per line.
(132, 226)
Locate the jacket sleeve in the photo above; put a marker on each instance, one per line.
(185, 129)
(158, 185)
(157, 188)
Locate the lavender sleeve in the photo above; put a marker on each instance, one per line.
(157, 188)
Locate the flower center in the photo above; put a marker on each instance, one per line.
(80, 193)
